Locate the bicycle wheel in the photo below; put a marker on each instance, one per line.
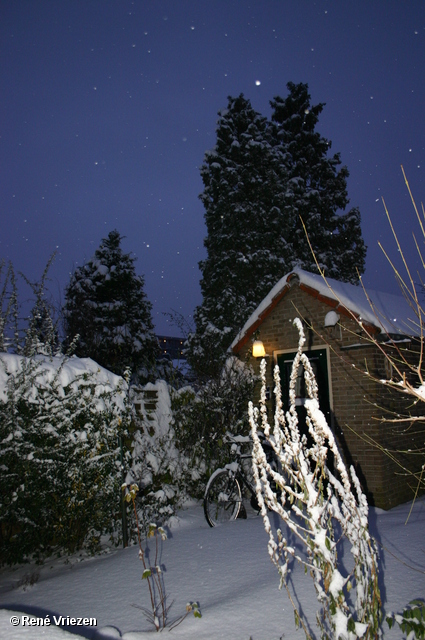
(223, 498)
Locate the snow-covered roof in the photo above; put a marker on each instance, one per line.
(390, 314)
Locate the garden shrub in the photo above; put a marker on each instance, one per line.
(202, 419)
(59, 456)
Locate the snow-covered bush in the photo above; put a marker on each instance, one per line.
(411, 620)
(59, 459)
(321, 505)
(201, 420)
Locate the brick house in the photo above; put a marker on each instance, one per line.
(341, 355)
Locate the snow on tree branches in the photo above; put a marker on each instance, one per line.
(107, 307)
(261, 178)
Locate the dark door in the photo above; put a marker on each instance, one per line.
(319, 363)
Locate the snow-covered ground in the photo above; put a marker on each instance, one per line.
(226, 569)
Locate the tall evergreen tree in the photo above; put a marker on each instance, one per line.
(316, 191)
(260, 179)
(105, 304)
(247, 249)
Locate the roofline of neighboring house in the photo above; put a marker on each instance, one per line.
(291, 280)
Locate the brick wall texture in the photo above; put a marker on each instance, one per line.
(360, 407)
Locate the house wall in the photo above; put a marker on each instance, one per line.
(357, 402)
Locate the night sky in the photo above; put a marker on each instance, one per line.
(108, 106)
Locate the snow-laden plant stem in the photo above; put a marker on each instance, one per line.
(153, 573)
(320, 506)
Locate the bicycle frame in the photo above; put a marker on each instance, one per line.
(223, 499)
(239, 474)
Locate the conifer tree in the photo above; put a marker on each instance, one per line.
(9, 310)
(41, 334)
(260, 180)
(247, 247)
(316, 191)
(105, 304)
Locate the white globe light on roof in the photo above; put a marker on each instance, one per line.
(257, 82)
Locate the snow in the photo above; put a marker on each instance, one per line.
(331, 319)
(390, 313)
(68, 370)
(226, 569)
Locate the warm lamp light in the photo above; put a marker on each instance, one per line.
(258, 350)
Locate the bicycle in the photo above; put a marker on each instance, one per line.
(223, 498)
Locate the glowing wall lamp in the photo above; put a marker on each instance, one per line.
(258, 350)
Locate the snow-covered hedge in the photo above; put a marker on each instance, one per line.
(61, 372)
(60, 418)
(59, 457)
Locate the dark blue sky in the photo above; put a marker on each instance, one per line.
(108, 107)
